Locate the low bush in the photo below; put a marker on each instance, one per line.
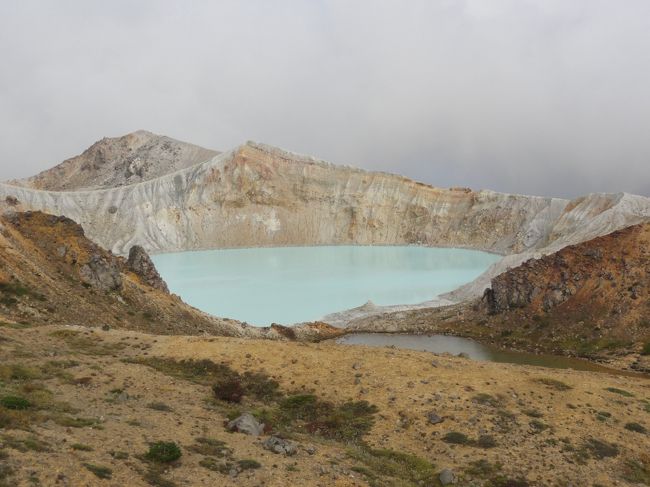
(620, 392)
(558, 385)
(163, 452)
(636, 427)
(404, 468)
(99, 471)
(16, 403)
(456, 438)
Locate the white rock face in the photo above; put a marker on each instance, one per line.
(257, 195)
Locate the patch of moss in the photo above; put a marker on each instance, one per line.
(486, 441)
(538, 426)
(211, 447)
(456, 438)
(637, 470)
(486, 400)
(383, 467)
(31, 443)
(99, 471)
(163, 452)
(600, 449)
(533, 413)
(620, 392)
(87, 344)
(81, 447)
(248, 464)
(159, 406)
(636, 427)
(558, 385)
(502, 481)
(16, 403)
(482, 468)
(75, 422)
(603, 416)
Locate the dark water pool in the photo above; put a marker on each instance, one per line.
(476, 351)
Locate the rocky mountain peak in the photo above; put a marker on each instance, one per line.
(119, 161)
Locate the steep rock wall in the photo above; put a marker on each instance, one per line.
(257, 195)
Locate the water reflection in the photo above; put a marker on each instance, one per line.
(476, 351)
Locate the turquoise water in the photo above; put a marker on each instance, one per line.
(289, 285)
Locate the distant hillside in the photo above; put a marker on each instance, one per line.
(112, 162)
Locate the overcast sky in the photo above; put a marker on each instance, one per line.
(528, 96)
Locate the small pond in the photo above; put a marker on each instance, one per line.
(476, 351)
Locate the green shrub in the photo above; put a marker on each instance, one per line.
(404, 468)
(81, 447)
(211, 447)
(558, 385)
(637, 470)
(456, 438)
(538, 426)
(533, 413)
(99, 471)
(636, 427)
(159, 406)
(229, 389)
(15, 402)
(600, 449)
(603, 416)
(621, 392)
(248, 464)
(486, 441)
(486, 400)
(163, 452)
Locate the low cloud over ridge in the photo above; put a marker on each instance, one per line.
(543, 97)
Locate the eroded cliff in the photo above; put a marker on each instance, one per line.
(257, 195)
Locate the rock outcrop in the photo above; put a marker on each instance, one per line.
(605, 281)
(589, 299)
(140, 263)
(102, 273)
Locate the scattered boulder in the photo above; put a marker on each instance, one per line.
(101, 273)
(447, 477)
(433, 418)
(141, 264)
(280, 446)
(247, 424)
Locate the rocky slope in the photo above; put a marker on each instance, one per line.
(590, 299)
(50, 273)
(258, 195)
(112, 162)
(98, 400)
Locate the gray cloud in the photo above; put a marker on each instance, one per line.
(530, 96)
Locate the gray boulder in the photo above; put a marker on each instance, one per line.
(141, 264)
(280, 446)
(247, 424)
(101, 273)
(433, 418)
(447, 477)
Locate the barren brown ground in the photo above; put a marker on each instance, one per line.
(540, 428)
